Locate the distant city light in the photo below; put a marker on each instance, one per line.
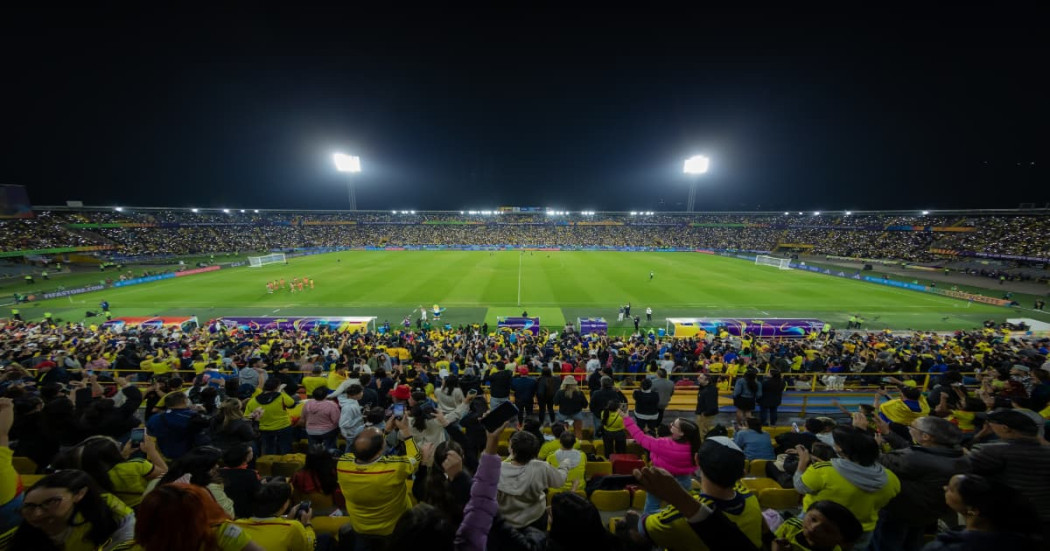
(347, 163)
(696, 164)
(119, 209)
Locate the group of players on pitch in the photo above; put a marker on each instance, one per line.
(296, 284)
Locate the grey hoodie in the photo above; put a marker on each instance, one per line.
(868, 479)
(522, 490)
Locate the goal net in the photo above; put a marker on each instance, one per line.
(782, 263)
(256, 261)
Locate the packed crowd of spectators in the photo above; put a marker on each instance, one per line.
(386, 409)
(863, 236)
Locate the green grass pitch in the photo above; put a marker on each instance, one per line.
(557, 286)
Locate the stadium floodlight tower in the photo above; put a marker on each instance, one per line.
(695, 166)
(352, 165)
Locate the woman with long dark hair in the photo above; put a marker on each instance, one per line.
(68, 511)
(442, 481)
(675, 453)
(997, 517)
(318, 475)
(546, 389)
(101, 458)
(450, 396)
(202, 466)
(746, 392)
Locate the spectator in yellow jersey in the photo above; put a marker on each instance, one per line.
(67, 508)
(826, 526)
(374, 484)
(571, 459)
(725, 515)
(275, 424)
(315, 380)
(107, 463)
(270, 528)
(854, 479)
(10, 483)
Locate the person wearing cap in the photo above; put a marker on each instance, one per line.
(570, 402)
(1019, 459)
(924, 466)
(725, 514)
(401, 394)
(524, 387)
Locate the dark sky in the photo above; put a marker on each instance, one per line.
(589, 109)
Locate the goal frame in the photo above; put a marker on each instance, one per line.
(766, 260)
(260, 261)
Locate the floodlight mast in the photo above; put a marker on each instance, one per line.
(352, 165)
(695, 166)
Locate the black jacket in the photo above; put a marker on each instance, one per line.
(646, 403)
(707, 400)
(923, 472)
(547, 388)
(240, 485)
(499, 384)
(772, 392)
(967, 540)
(601, 398)
(1022, 464)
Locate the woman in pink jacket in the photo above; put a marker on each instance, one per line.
(321, 419)
(676, 453)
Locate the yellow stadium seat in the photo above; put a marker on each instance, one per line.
(757, 484)
(30, 479)
(599, 448)
(611, 500)
(594, 468)
(638, 499)
(264, 463)
(329, 525)
(757, 467)
(612, 524)
(779, 499)
(555, 491)
(23, 465)
(321, 503)
(285, 468)
(587, 433)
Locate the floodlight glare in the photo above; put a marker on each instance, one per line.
(347, 163)
(849, 212)
(194, 210)
(119, 209)
(925, 212)
(256, 211)
(786, 213)
(696, 164)
(816, 213)
(242, 210)
(227, 211)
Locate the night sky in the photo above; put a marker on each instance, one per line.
(592, 109)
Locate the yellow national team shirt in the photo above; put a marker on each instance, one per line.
(670, 529)
(791, 530)
(278, 534)
(964, 419)
(575, 473)
(129, 480)
(312, 383)
(198, 367)
(335, 379)
(825, 482)
(228, 537)
(376, 493)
